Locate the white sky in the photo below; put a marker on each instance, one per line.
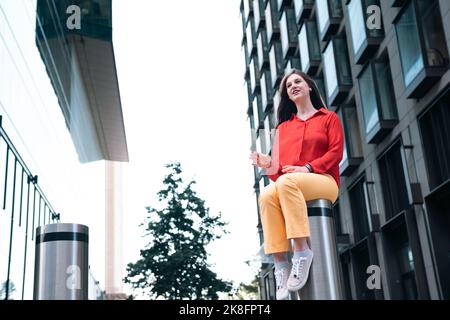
(180, 73)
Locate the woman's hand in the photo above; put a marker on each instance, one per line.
(260, 160)
(290, 169)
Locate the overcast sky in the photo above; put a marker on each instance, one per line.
(180, 72)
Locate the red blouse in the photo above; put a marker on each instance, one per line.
(318, 140)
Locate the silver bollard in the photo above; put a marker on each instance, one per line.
(324, 281)
(61, 263)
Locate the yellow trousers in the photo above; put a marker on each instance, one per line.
(283, 207)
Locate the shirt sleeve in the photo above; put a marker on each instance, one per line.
(335, 147)
(273, 171)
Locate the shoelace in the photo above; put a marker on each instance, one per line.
(297, 265)
(279, 278)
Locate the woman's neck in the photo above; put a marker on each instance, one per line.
(305, 107)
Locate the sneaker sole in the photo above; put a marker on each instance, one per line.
(283, 298)
(301, 285)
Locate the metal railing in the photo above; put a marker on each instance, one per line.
(15, 204)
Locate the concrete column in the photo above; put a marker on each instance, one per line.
(113, 231)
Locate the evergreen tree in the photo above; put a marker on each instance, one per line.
(173, 265)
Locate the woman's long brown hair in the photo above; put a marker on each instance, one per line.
(287, 107)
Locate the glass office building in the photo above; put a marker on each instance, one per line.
(383, 67)
(59, 107)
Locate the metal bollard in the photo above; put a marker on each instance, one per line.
(61, 263)
(324, 281)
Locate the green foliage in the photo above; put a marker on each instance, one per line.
(174, 264)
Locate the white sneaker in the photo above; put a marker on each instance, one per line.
(281, 278)
(299, 272)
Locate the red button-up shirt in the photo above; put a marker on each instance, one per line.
(318, 140)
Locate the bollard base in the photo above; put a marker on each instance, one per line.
(116, 296)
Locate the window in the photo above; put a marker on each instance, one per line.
(266, 91)
(245, 58)
(439, 216)
(258, 13)
(243, 21)
(434, 128)
(378, 100)
(302, 9)
(267, 288)
(249, 97)
(95, 15)
(393, 181)
(338, 78)
(248, 8)
(267, 135)
(406, 266)
(359, 209)
(294, 62)
(329, 14)
(321, 86)
(353, 153)
(272, 25)
(282, 3)
(251, 38)
(254, 75)
(400, 262)
(345, 264)
(258, 144)
(263, 137)
(276, 103)
(422, 46)
(263, 50)
(257, 112)
(398, 3)
(361, 260)
(276, 62)
(308, 40)
(365, 41)
(337, 218)
(288, 33)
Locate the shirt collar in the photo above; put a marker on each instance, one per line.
(322, 110)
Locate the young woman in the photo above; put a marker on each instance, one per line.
(304, 165)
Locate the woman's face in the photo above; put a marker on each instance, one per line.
(296, 87)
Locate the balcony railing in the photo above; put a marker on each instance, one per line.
(25, 207)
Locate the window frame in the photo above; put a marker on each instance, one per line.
(433, 183)
(304, 10)
(313, 64)
(384, 126)
(272, 24)
(254, 80)
(429, 75)
(397, 143)
(358, 235)
(279, 66)
(250, 29)
(262, 49)
(352, 162)
(331, 25)
(289, 49)
(341, 91)
(407, 220)
(367, 246)
(258, 14)
(266, 91)
(259, 123)
(370, 44)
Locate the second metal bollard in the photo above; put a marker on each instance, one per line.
(61, 262)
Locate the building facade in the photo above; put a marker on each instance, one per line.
(383, 67)
(60, 111)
